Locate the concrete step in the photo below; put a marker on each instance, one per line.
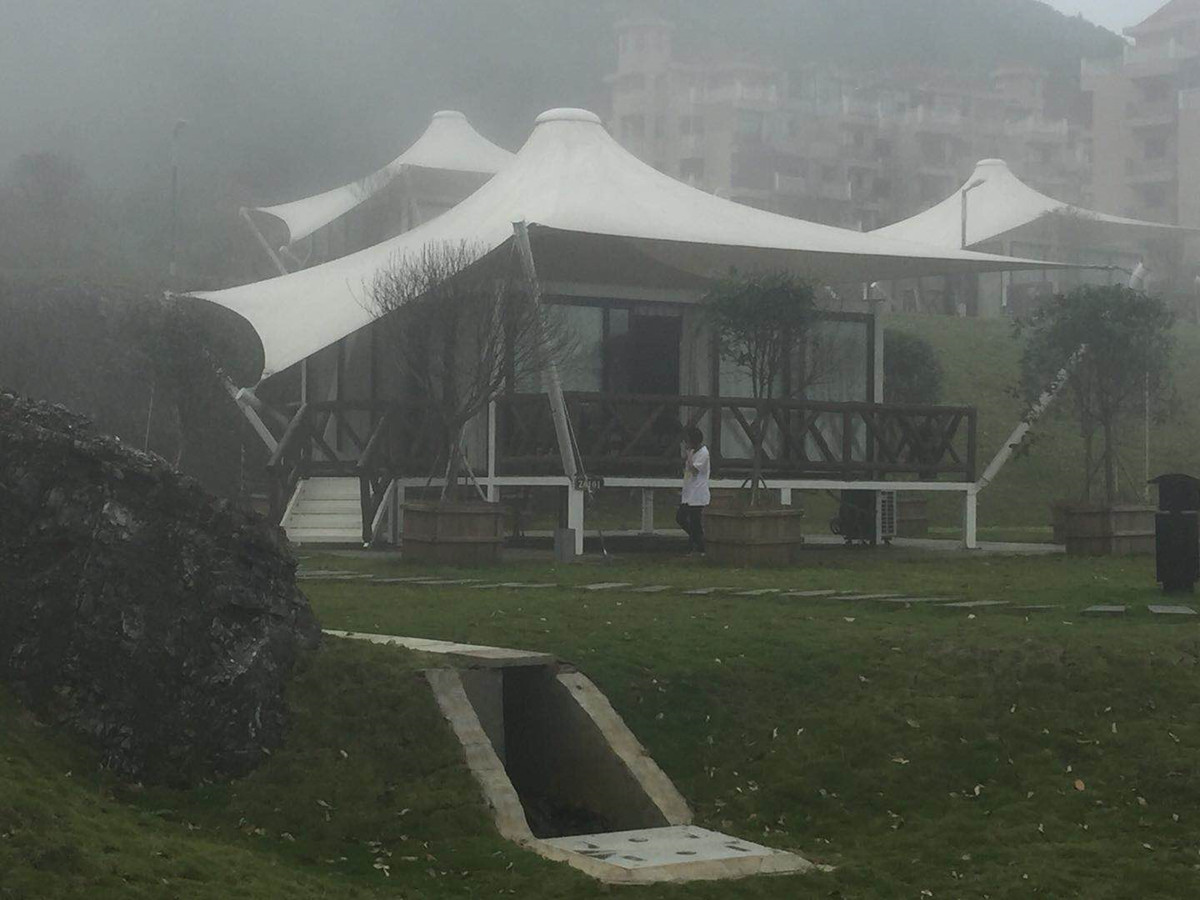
(330, 507)
(325, 536)
(330, 488)
(325, 511)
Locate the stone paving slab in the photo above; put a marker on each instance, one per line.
(334, 576)
(866, 596)
(809, 593)
(606, 585)
(402, 579)
(756, 592)
(976, 604)
(675, 853)
(1102, 610)
(1171, 610)
(906, 601)
(652, 589)
(445, 581)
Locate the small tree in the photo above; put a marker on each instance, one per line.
(461, 328)
(1125, 362)
(758, 321)
(912, 372)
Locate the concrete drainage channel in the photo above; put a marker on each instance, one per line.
(566, 778)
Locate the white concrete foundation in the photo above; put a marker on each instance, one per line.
(678, 853)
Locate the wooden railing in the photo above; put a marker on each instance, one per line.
(640, 435)
(632, 435)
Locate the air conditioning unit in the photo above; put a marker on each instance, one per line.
(887, 515)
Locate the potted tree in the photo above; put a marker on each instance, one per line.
(912, 374)
(1116, 343)
(758, 322)
(461, 327)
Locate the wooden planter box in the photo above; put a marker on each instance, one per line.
(1126, 530)
(453, 534)
(737, 536)
(912, 515)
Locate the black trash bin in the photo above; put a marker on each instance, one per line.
(1177, 532)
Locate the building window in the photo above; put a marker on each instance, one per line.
(633, 126)
(691, 169)
(750, 124)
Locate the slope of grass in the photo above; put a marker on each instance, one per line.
(969, 753)
(981, 358)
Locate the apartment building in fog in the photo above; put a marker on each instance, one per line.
(846, 148)
(1146, 119)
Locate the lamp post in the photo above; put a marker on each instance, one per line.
(978, 182)
(176, 132)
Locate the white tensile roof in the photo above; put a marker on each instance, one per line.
(1002, 203)
(572, 178)
(448, 143)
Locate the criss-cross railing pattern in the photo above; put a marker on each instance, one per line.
(639, 435)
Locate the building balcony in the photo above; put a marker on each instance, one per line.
(1038, 129)
(796, 186)
(1159, 60)
(935, 121)
(1153, 171)
(1152, 115)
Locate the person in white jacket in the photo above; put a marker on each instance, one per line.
(695, 495)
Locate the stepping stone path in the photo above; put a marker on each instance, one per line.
(1105, 611)
(1172, 610)
(976, 604)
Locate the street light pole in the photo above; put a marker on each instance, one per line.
(978, 182)
(172, 270)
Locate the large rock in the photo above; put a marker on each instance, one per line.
(157, 619)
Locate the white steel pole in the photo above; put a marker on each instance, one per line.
(1028, 421)
(558, 404)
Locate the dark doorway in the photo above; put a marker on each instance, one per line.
(645, 359)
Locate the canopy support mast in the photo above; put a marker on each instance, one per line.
(264, 243)
(558, 404)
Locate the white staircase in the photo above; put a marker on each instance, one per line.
(325, 511)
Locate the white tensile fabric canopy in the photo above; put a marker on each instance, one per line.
(572, 178)
(449, 143)
(998, 203)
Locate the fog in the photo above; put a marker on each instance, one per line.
(286, 93)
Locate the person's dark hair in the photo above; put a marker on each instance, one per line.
(695, 437)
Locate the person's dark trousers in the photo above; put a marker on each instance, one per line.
(691, 520)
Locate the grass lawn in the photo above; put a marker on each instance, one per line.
(981, 358)
(963, 753)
